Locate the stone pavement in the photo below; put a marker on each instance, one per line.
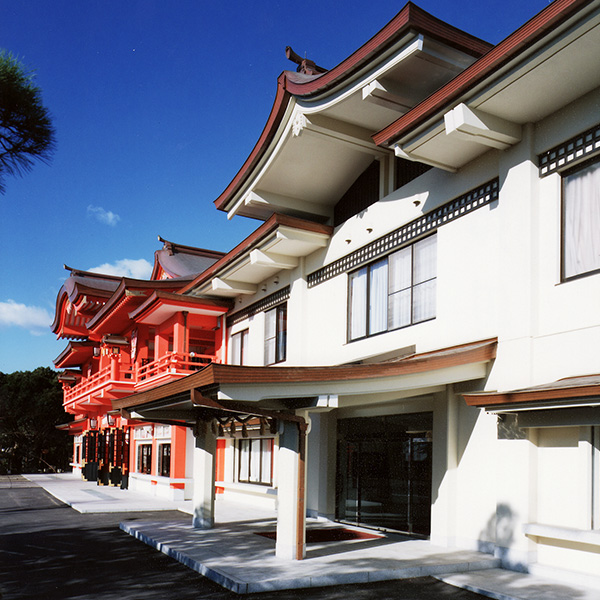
(233, 555)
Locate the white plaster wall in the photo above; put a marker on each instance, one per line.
(563, 478)
(515, 486)
(564, 497)
(476, 477)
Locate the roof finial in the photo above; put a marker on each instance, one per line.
(306, 66)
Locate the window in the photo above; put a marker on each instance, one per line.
(255, 461)
(164, 460)
(145, 458)
(393, 292)
(581, 221)
(239, 348)
(275, 334)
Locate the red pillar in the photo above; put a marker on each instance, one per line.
(178, 435)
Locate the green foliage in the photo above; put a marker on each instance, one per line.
(30, 409)
(26, 131)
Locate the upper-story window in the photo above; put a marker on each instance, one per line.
(239, 348)
(581, 221)
(395, 291)
(275, 334)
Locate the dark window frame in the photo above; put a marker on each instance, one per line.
(263, 479)
(389, 294)
(280, 337)
(564, 177)
(164, 459)
(144, 462)
(243, 337)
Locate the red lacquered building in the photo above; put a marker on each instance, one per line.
(125, 336)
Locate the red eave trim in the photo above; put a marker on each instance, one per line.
(73, 348)
(120, 300)
(104, 317)
(158, 299)
(529, 33)
(270, 225)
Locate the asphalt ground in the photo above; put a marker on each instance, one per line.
(50, 551)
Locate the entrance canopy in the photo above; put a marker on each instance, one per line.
(275, 391)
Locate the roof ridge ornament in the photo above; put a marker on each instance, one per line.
(305, 65)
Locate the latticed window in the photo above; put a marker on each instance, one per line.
(395, 291)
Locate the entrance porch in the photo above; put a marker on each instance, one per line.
(237, 555)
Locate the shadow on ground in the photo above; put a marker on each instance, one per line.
(50, 551)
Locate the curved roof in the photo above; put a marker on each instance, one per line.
(176, 260)
(80, 297)
(312, 88)
(113, 317)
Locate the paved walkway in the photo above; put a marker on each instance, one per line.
(236, 557)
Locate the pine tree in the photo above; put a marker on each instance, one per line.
(26, 130)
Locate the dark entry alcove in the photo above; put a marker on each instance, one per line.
(384, 472)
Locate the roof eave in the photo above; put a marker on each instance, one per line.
(432, 108)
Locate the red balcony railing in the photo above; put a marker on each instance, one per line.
(93, 388)
(173, 365)
(116, 381)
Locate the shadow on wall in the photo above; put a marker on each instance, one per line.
(498, 535)
(466, 421)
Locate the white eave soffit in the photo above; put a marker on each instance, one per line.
(475, 130)
(280, 252)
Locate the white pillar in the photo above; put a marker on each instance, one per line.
(204, 476)
(291, 520)
(444, 470)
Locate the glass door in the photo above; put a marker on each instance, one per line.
(384, 479)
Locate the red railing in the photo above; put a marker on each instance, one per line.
(171, 366)
(103, 379)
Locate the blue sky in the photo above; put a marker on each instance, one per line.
(156, 105)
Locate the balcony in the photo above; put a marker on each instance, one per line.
(114, 381)
(169, 367)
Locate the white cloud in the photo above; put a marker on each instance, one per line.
(126, 267)
(104, 216)
(33, 318)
